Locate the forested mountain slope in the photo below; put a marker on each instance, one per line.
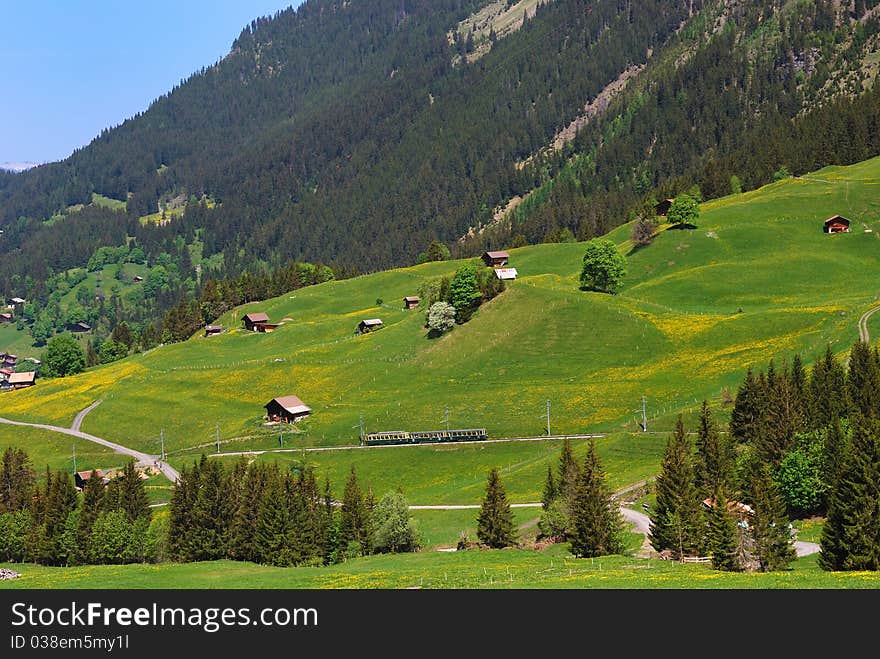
(352, 133)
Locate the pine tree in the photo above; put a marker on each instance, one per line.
(549, 493)
(568, 473)
(91, 507)
(677, 521)
(769, 524)
(863, 381)
(353, 518)
(495, 526)
(722, 542)
(596, 524)
(851, 535)
(133, 500)
(714, 461)
(829, 394)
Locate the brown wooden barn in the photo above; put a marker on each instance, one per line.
(496, 259)
(251, 320)
(80, 477)
(369, 325)
(662, 207)
(22, 380)
(213, 330)
(80, 327)
(287, 409)
(410, 302)
(836, 224)
(5, 317)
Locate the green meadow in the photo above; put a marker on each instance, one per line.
(45, 447)
(508, 568)
(756, 280)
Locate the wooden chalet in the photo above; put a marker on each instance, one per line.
(506, 273)
(740, 510)
(213, 330)
(410, 302)
(22, 380)
(496, 259)
(138, 279)
(80, 327)
(5, 317)
(662, 207)
(9, 361)
(251, 320)
(287, 409)
(370, 325)
(836, 224)
(80, 478)
(17, 303)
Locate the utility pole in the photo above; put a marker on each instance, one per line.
(281, 439)
(217, 436)
(361, 416)
(74, 457)
(163, 444)
(447, 419)
(644, 414)
(548, 417)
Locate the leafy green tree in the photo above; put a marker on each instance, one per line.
(722, 534)
(851, 535)
(800, 477)
(495, 526)
(596, 525)
(642, 233)
(441, 317)
(63, 357)
(395, 529)
(436, 251)
(677, 519)
(684, 211)
(111, 351)
(464, 291)
(603, 266)
(115, 540)
(15, 527)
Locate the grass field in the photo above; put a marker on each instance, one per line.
(56, 450)
(756, 280)
(456, 474)
(552, 568)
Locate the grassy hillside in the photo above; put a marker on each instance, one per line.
(56, 450)
(756, 280)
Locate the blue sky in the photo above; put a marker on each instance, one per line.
(70, 68)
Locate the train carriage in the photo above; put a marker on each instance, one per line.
(425, 436)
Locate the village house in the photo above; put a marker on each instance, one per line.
(410, 302)
(836, 224)
(80, 327)
(213, 330)
(369, 325)
(251, 320)
(662, 207)
(496, 259)
(22, 380)
(5, 317)
(138, 279)
(287, 409)
(17, 304)
(8, 360)
(506, 273)
(80, 478)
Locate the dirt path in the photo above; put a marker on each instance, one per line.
(864, 335)
(77, 422)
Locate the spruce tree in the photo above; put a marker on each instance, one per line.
(210, 516)
(597, 526)
(91, 507)
(722, 541)
(747, 408)
(16, 480)
(549, 493)
(274, 525)
(180, 525)
(568, 473)
(863, 381)
(851, 535)
(829, 394)
(246, 518)
(835, 452)
(677, 520)
(133, 500)
(714, 461)
(61, 499)
(495, 526)
(769, 525)
(353, 522)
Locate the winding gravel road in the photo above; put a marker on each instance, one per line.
(143, 459)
